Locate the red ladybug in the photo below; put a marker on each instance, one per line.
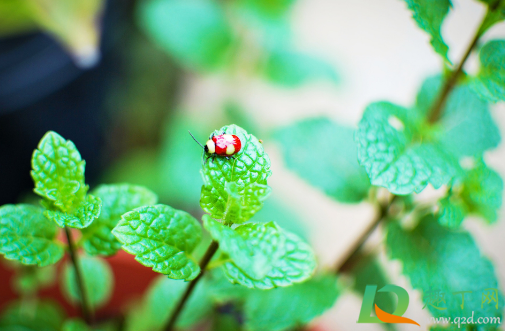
(221, 145)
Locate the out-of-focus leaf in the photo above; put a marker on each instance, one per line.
(269, 9)
(75, 324)
(195, 33)
(490, 82)
(30, 279)
(439, 262)
(429, 16)
(336, 171)
(41, 316)
(291, 69)
(97, 277)
(162, 296)
(287, 307)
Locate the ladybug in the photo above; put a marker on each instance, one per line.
(221, 145)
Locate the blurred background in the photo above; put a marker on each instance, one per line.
(125, 81)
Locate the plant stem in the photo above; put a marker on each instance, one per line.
(450, 83)
(214, 245)
(355, 249)
(85, 308)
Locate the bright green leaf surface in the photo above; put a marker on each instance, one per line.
(490, 82)
(163, 238)
(337, 171)
(292, 69)
(195, 33)
(39, 316)
(27, 236)
(162, 296)
(75, 324)
(98, 281)
(248, 172)
(429, 16)
(403, 153)
(296, 264)
(81, 218)
(268, 8)
(116, 200)
(254, 248)
(394, 157)
(58, 172)
(440, 260)
(285, 308)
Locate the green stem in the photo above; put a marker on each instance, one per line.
(450, 83)
(214, 245)
(85, 308)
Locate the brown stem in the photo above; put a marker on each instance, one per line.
(85, 308)
(355, 249)
(214, 245)
(450, 83)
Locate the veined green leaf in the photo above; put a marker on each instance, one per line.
(337, 171)
(81, 218)
(429, 16)
(234, 188)
(401, 151)
(442, 263)
(287, 307)
(490, 81)
(195, 33)
(163, 238)
(27, 236)
(296, 264)
(58, 172)
(254, 248)
(97, 277)
(117, 199)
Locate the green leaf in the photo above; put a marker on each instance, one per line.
(268, 9)
(288, 307)
(195, 33)
(254, 248)
(161, 298)
(81, 218)
(234, 188)
(337, 171)
(404, 153)
(292, 69)
(28, 280)
(75, 324)
(479, 191)
(117, 199)
(490, 81)
(441, 261)
(97, 277)
(27, 236)
(58, 172)
(394, 156)
(296, 264)
(163, 238)
(429, 16)
(41, 315)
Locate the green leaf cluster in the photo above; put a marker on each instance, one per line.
(441, 261)
(479, 191)
(403, 152)
(246, 36)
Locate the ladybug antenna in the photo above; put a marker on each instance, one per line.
(196, 140)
